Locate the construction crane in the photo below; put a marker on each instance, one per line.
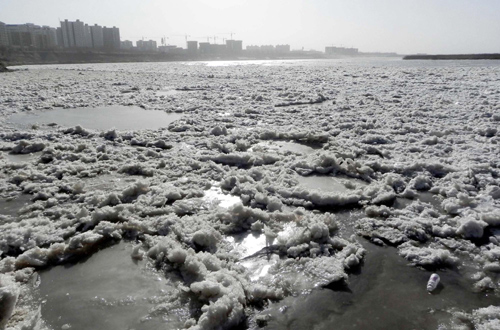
(208, 38)
(164, 40)
(230, 33)
(182, 35)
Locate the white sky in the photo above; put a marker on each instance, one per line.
(403, 26)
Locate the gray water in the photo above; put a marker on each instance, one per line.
(101, 118)
(110, 290)
(385, 294)
(330, 183)
(21, 158)
(283, 147)
(12, 207)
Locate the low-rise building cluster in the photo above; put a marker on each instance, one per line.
(341, 51)
(268, 49)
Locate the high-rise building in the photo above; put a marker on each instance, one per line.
(341, 51)
(67, 34)
(59, 36)
(282, 49)
(20, 35)
(96, 36)
(4, 37)
(267, 49)
(87, 36)
(127, 45)
(147, 46)
(253, 49)
(81, 40)
(192, 47)
(205, 48)
(234, 46)
(111, 38)
(31, 35)
(49, 37)
(75, 34)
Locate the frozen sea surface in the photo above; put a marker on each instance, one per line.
(277, 194)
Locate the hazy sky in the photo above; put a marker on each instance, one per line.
(403, 26)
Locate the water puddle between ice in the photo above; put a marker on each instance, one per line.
(101, 118)
(108, 291)
(246, 245)
(169, 92)
(21, 158)
(107, 182)
(330, 183)
(215, 197)
(424, 197)
(12, 207)
(282, 147)
(386, 294)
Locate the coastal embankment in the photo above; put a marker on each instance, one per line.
(12, 57)
(453, 57)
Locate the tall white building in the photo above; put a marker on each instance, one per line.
(111, 38)
(75, 35)
(96, 36)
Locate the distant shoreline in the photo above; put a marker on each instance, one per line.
(15, 57)
(453, 57)
(35, 57)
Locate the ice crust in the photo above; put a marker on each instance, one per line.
(401, 130)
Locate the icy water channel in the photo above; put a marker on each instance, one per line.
(385, 293)
(101, 118)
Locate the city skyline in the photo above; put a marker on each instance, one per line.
(379, 25)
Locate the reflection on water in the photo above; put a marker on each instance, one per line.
(169, 92)
(102, 118)
(247, 244)
(282, 147)
(330, 183)
(385, 294)
(107, 182)
(215, 197)
(424, 197)
(21, 158)
(108, 291)
(12, 207)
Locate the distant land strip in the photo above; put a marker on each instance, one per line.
(28, 57)
(453, 57)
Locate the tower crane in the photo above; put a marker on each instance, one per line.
(230, 33)
(186, 36)
(208, 38)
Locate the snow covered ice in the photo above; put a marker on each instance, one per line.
(258, 189)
